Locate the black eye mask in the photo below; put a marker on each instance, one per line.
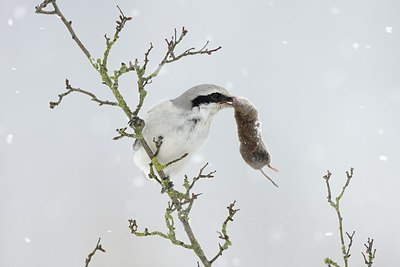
(211, 98)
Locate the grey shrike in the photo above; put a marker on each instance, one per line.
(183, 123)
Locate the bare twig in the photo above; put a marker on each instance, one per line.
(171, 231)
(134, 230)
(71, 89)
(350, 237)
(369, 255)
(100, 64)
(122, 133)
(336, 205)
(169, 57)
(176, 160)
(56, 11)
(180, 202)
(188, 186)
(109, 43)
(91, 254)
(223, 234)
(152, 175)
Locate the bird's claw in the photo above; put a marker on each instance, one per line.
(136, 123)
(168, 186)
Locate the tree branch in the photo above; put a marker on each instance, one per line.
(181, 203)
(71, 89)
(223, 234)
(169, 57)
(176, 160)
(100, 64)
(122, 133)
(336, 205)
(56, 11)
(369, 255)
(188, 186)
(91, 254)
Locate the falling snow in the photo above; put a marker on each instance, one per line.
(318, 237)
(27, 240)
(135, 13)
(335, 10)
(20, 12)
(10, 22)
(117, 158)
(138, 181)
(9, 139)
(356, 46)
(13, 68)
(328, 234)
(383, 158)
(229, 85)
(222, 262)
(244, 72)
(197, 158)
(209, 37)
(284, 42)
(381, 131)
(235, 262)
(389, 29)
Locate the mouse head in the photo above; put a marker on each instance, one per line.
(245, 108)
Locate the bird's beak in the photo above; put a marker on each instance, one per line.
(228, 101)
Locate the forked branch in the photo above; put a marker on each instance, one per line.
(40, 9)
(181, 202)
(71, 89)
(369, 255)
(223, 234)
(91, 254)
(336, 205)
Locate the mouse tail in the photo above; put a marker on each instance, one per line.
(272, 181)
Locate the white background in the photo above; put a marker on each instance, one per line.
(323, 74)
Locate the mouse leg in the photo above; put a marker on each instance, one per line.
(273, 168)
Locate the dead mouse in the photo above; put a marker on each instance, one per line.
(252, 148)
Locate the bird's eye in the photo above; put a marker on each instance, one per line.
(216, 97)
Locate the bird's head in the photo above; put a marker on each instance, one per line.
(206, 97)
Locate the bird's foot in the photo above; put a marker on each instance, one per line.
(167, 186)
(136, 123)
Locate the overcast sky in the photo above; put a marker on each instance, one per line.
(324, 76)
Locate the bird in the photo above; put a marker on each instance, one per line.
(182, 124)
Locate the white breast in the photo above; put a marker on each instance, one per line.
(182, 131)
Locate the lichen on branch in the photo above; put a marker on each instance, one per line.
(180, 206)
(345, 247)
(181, 203)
